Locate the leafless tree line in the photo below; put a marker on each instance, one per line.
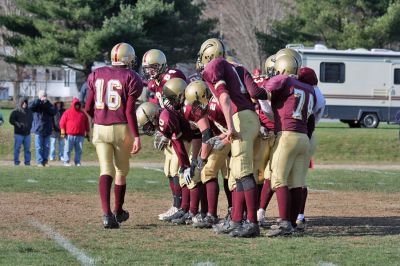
(238, 22)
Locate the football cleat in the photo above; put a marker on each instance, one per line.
(176, 215)
(206, 222)
(301, 224)
(185, 219)
(170, 211)
(122, 216)
(262, 221)
(226, 227)
(284, 228)
(247, 229)
(109, 222)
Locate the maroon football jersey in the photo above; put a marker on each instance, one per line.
(156, 86)
(174, 127)
(292, 103)
(111, 87)
(219, 72)
(264, 120)
(214, 115)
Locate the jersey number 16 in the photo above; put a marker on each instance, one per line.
(113, 99)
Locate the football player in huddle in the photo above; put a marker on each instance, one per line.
(243, 126)
(111, 103)
(208, 117)
(171, 124)
(156, 71)
(266, 142)
(292, 103)
(307, 75)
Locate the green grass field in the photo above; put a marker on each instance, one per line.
(353, 220)
(336, 144)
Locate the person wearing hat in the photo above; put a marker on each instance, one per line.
(43, 112)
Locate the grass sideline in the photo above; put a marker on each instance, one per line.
(150, 242)
(337, 144)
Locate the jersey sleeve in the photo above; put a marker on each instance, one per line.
(89, 106)
(254, 90)
(135, 86)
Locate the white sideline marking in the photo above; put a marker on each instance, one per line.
(91, 181)
(32, 181)
(326, 263)
(207, 263)
(63, 242)
(151, 182)
(152, 168)
(319, 190)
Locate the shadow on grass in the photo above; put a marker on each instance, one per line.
(146, 226)
(353, 226)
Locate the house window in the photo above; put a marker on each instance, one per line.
(397, 76)
(332, 72)
(57, 74)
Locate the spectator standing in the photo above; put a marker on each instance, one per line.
(74, 125)
(55, 134)
(21, 118)
(83, 93)
(43, 112)
(1, 119)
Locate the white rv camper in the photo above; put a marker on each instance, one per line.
(361, 87)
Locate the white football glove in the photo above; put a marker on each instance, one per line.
(187, 175)
(216, 143)
(160, 142)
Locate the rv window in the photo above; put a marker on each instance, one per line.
(397, 76)
(332, 72)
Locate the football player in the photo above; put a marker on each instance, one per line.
(208, 117)
(170, 122)
(266, 142)
(307, 75)
(292, 103)
(156, 70)
(242, 130)
(111, 103)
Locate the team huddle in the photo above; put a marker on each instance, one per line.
(257, 131)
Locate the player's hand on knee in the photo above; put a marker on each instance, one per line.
(187, 175)
(137, 145)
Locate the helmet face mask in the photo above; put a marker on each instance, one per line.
(149, 128)
(153, 71)
(147, 117)
(123, 54)
(154, 64)
(197, 94)
(269, 66)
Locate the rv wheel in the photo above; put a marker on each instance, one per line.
(370, 120)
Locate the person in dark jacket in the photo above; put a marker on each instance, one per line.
(55, 134)
(83, 93)
(21, 118)
(74, 125)
(43, 112)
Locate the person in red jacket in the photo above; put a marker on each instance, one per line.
(74, 125)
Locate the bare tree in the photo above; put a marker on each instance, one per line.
(10, 71)
(239, 20)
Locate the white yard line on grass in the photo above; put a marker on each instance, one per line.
(63, 242)
(153, 168)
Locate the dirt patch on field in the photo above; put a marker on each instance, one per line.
(328, 214)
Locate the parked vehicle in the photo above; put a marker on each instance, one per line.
(361, 87)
